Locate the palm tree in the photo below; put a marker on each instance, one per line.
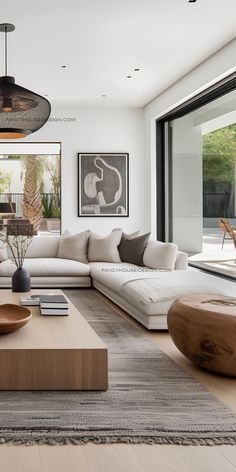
(32, 201)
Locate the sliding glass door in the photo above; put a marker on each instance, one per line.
(198, 159)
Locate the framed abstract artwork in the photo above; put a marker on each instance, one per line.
(103, 184)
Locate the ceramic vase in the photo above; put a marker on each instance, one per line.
(21, 280)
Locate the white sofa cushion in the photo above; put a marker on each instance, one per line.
(43, 246)
(159, 255)
(3, 251)
(155, 296)
(153, 291)
(48, 267)
(74, 246)
(114, 275)
(104, 248)
(181, 262)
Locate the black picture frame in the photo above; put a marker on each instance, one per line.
(103, 184)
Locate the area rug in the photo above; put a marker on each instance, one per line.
(150, 399)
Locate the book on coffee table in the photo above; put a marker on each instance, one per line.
(54, 311)
(53, 301)
(29, 301)
(56, 305)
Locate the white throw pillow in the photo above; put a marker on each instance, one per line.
(162, 256)
(74, 246)
(104, 248)
(3, 252)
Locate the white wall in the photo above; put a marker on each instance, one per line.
(221, 64)
(98, 130)
(187, 184)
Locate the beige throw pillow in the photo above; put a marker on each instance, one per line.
(74, 246)
(104, 248)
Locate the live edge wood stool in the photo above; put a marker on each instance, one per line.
(204, 329)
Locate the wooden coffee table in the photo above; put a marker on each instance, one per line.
(203, 327)
(51, 352)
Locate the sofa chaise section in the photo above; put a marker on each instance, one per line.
(148, 295)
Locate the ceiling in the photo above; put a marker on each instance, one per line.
(101, 42)
(221, 106)
(217, 114)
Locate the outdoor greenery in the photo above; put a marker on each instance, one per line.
(46, 205)
(41, 177)
(219, 159)
(50, 206)
(5, 181)
(52, 202)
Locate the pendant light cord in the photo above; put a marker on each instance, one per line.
(5, 50)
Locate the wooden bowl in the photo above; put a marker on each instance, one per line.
(13, 317)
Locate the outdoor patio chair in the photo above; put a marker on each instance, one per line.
(228, 230)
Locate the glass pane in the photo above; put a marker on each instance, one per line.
(204, 174)
(30, 189)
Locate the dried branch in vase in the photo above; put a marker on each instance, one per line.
(18, 245)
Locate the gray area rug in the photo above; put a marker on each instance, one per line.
(150, 399)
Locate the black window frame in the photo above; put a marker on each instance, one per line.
(224, 86)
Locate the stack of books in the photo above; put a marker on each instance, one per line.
(56, 305)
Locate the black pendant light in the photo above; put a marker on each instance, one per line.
(22, 112)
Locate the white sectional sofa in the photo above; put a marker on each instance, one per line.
(144, 293)
(46, 269)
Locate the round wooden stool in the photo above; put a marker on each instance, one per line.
(204, 329)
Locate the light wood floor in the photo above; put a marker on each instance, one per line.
(133, 458)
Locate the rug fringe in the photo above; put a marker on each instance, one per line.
(56, 441)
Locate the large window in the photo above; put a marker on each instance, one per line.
(30, 184)
(196, 162)
(219, 172)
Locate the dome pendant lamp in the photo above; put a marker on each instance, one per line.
(22, 112)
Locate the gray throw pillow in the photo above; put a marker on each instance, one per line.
(132, 248)
(74, 246)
